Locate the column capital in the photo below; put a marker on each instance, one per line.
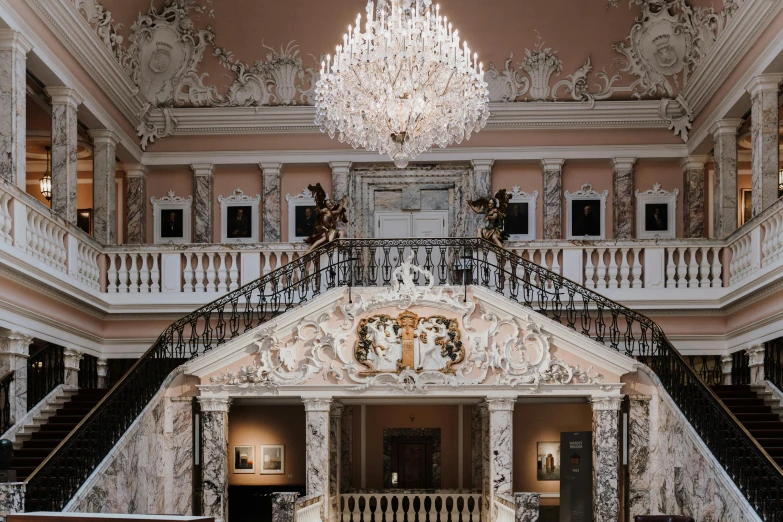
(16, 344)
(71, 358)
(726, 126)
(104, 136)
(755, 354)
(550, 164)
(203, 169)
(135, 170)
(270, 168)
(639, 397)
(217, 404)
(482, 164)
(337, 410)
(768, 82)
(500, 403)
(317, 403)
(103, 367)
(340, 166)
(693, 162)
(606, 403)
(11, 40)
(61, 95)
(623, 164)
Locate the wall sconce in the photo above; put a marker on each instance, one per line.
(46, 181)
(394, 479)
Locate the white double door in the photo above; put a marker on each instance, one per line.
(397, 225)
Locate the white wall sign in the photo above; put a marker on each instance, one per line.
(301, 216)
(171, 217)
(586, 213)
(239, 218)
(656, 213)
(520, 222)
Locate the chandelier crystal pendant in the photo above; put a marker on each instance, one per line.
(403, 84)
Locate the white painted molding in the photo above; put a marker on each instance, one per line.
(239, 199)
(769, 82)
(168, 203)
(517, 196)
(305, 199)
(586, 193)
(656, 196)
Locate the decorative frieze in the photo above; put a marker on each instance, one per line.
(765, 139)
(553, 194)
(693, 179)
(622, 204)
(104, 191)
(204, 191)
(13, 106)
(724, 134)
(136, 199)
(65, 136)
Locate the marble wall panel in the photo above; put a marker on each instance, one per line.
(284, 506)
(11, 498)
(317, 449)
(178, 469)
(639, 454)
(622, 204)
(766, 147)
(271, 202)
(203, 201)
(104, 191)
(13, 107)
(437, 199)
(606, 460)
(501, 449)
(527, 506)
(64, 160)
(476, 443)
(553, 199)
(214, 470)
(725, 189)
(388, 200)
(136, 204)
(693, 200)
(335, 446)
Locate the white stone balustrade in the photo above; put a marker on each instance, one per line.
(309, 510)
(412, 506)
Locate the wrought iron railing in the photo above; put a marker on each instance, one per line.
(773, 362)
(45, 371)
(371, 262)
(88, 372)
(5, 401)
(708, 367)
(740, 368)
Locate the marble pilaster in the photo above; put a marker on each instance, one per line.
(214, 449)
(481, 187)
(335, 447)
(622, 185)
(756, 363)
(270, 185)
(501, 447)
(103, 373)
(13, 106)
(606, 459)
(317, 449)
(553, 198)
(639, 454)
(346, 451)
(726, 366)
(284, 507)
(765, 139)
(65, 103)
(486, 483)
(476, 445)
(341, 171)
(204, 196)
(724, 136)
(136, 183)
(527, 506)
(71, 360)
(14, 352)
(104, 191)
(693, 196)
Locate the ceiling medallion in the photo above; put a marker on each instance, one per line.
(403, 84)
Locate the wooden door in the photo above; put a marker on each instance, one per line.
(412, 464)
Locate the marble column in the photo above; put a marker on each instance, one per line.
(528, 506)
(214, 451)
(14, 352)
(103, 373)
(341, 171)
(606, 459)
(726, 366)
(486, 483)
(724, 136)
(284, 507)
(317, 449)
(481, 187)
(765, 139)
(271, 187)
(553, 198)
(335, 449)
(639, 454)
(346, 451)
(104, 192)
(13, 107)
(478, 414)
(500, 447)
(756, 363)
(65, 136)
(136, 202)
(71, 358)
(622, 202)
(693, 196)
(203, 200)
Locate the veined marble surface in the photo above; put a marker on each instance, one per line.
(606, 481)
(476, 443)
(766, 148)
(346, 443)
(527, 506)
(283, 507)
(271, 205)
(11, 498)
(623, 203)
(725, 191)
(104, 192)
(317, 451)
(639, 454)
(501, 433)
(136, 201)
(64, 160)
(202, 207)
(214, 470)
(335, 447)
(13, 107)
(693, 202)
(553, 203)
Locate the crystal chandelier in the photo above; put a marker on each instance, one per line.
(403, 84)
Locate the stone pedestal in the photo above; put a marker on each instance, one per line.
(271, 203)
(606, 459)
(553, 198)
(203, 198)
(335, 450)
(639, 455)
(214, 451)
(71, 360)
(482, 187)
(104, 192)
(693, 196)
(500, 448)
(13, 107)
(317, 449)
(765, 139)
(14, 352)
(65, 103)
(528, 506)
(724, 135)
(726, 365)
(622, 185)
(136, 194)
(756, 363)
(103, 373)
(341, 171)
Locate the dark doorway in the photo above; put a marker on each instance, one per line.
(412, 462)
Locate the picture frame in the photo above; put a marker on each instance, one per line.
(520, 221)
(583, 221)
(656, 213)
(171, 217)
(745, 206)
(548, 461)
(244, 460)
(84, 219)
(300, 224)
(239, 217)
(272, 460)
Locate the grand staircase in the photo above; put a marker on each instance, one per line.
(371, 262)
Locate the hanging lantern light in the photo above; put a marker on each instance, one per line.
(46, 181)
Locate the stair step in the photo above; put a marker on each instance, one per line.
(776, 435)
(763, 425)
(750, 401)
(32, 453)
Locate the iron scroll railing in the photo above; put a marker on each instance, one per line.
(371, 262)
(5, 401)
(45, 371)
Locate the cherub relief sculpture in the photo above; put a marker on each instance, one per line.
(494, 210)
(328, 215)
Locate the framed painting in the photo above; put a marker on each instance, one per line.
(301, 216)
(84, 219)
(548, 461)
(244, 459)
(586, 213)
(171, 218)
(520, 222)
(272, 459)
(239, 218)
(746, 206)
(656, 213)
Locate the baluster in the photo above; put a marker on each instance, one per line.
(144, 283)
(210, 271)
(443, 512)
(187, 273)
(345, 509)
(612, 268)
(421, 516)
(682, 276)
(776, 236)
(198, 273)
(111, 275)
(625, 269)
(556, 262)
(233, 272)
(600, 272)
(636, 270)
(123, 275)
(717, 280)
(267, 263)
(155, 274)
(705, 268)
(454, 508)
(355, 512)
(433, 512)
(589, 270)
(387, 512)
(366, 511)
(133, 282)
(222, 273)
(693, 268)
(399, 516)
(670, 267)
